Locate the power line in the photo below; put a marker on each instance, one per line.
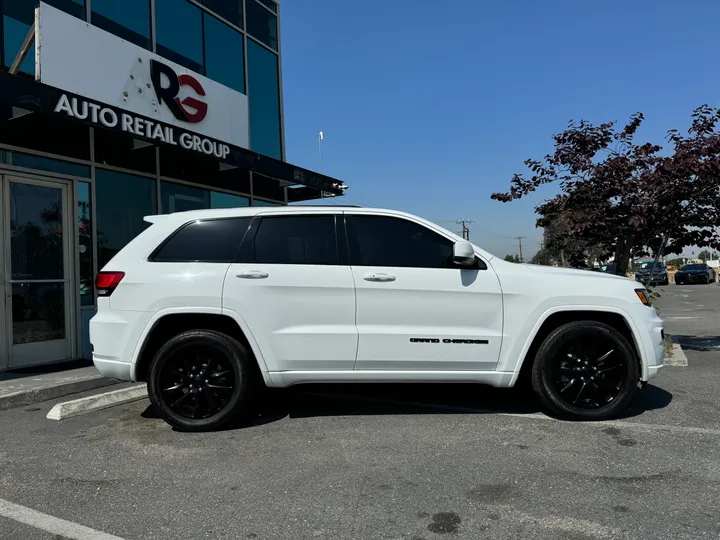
(465, 228)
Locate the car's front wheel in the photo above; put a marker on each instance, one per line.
(585, 370)
(200, 380)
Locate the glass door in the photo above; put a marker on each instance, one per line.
(36, 271)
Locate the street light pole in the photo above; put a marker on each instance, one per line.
(320, 140)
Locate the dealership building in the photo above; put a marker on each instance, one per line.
(112, 110)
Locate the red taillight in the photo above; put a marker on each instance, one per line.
(106, 282)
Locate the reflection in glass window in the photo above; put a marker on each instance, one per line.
(121, 150)
(19, 159)
(181, 198)
(178, 25)
(85, 245)
(264, 100)
(211, 240)
(122, 201)
(18, 16)
(129, 19)
(14, 33)
(257, 202)
(225, 200)
(404, 243)
(261, 24)
(269, 4)
(45, 133)
(296, 240)
(224, 54)
(230, 10)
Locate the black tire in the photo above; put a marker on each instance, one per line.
(569, 356)
(228, 378)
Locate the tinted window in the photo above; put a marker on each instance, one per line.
(122, 201)
(120, 150)
(181, 198)
(18, 16)
(269, 4)
(129, 19)
(84, 221)
(264, 100)
(224, 54)
(261, 24)
(230, 10)
(215, 240)
(296, 240)
(178, 25)
(388, 241)
(694, 267)
(225, 200)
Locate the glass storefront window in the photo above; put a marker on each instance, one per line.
(178, 25)
(181, 198)
(269, 4)
(121, 150)
(85, 245)
(264, 99)
(14, 33)
(129, 19)
(122, 201)
(230, 10)
(261, 24)
(18, 16)
(225, 200)
(44, 133)
(224, 54)
(257, 202)
(18, 159)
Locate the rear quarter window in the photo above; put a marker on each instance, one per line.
(209, 240)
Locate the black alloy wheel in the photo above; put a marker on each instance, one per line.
(585, 370)
(200, 380)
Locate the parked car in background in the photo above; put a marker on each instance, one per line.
(694, 273)
(659, 275)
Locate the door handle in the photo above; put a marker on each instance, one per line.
(379, 277)
(252, 274)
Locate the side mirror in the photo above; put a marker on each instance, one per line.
(463, 254)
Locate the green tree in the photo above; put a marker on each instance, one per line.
(510, 258)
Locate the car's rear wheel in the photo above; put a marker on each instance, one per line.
(201, 380)
(585, 370)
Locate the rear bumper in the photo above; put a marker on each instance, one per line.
(113, 369)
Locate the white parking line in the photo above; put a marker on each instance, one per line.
(51, 524)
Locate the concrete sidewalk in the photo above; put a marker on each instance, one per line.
(27, 386)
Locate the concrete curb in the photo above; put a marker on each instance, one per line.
(53, 391)
(678, 358)
(85, 405)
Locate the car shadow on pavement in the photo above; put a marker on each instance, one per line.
(325, 400)
(396, 399)
(697, 343)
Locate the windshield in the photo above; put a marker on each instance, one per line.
(694, 267)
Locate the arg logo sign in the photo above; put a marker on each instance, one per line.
(189, 109)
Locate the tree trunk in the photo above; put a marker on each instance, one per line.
(622, 254)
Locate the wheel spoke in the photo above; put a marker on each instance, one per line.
(605, 370)
(568, 385)
(605, 356)
(174, 387)
(218, 374)
(582, 388)
(211, 401)
(218, 387)
(179, 400)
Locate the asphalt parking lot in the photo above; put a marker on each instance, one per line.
(388, 462)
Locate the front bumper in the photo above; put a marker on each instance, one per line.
(691, 278)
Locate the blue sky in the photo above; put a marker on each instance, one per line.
(429, 107)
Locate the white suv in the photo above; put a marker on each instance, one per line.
(207, 305)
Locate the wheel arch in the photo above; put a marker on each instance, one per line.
(168, 323)
(556, 317)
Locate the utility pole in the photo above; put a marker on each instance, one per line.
(465, 228)
(520, 239)
(320, 140)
